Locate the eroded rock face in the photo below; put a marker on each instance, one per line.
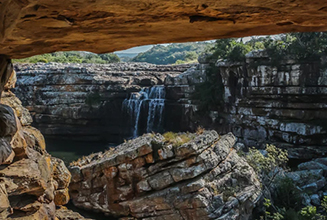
(32, 182)
(260, 103)
(147, 178)
(84, 101)
(36, 27)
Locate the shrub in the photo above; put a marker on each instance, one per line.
(275, 158)
(209, 94)
(286, 194)
(93, 98)
(199, 130)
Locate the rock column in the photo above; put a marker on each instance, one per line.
(6, 69)
(8, 125)
(32, 183)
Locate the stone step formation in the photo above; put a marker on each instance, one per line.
(85, 101)
(151, 178)
(32, 182)
(260, 103)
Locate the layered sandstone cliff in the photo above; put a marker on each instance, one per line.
(33, 27)
(260, 103)
(84, 101)
(148, 177)
(32, 183)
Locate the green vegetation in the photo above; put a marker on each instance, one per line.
(230, 49)
(71, 57)
(283, 199)
(173, 53)
(287, 213)
(210, 92)
(275, 158)
(298, 46)
(177, 139)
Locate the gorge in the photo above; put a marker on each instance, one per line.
(200, 175)
(261, 103)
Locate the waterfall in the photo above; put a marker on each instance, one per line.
(148, 102)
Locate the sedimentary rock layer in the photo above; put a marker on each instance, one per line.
(84, 101)
(260, 103)
(149, 178)
(32, 27)
(32, 182)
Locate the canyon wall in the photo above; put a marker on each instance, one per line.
(261, 103)
(85, 101)
(32, 183)
(284, 105)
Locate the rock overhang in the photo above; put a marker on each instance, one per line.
(33, 27)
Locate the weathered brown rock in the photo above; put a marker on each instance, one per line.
(201, 179)
(32, 183)
(6, 70)
(66, 214)
(8, 128)
(35, 27)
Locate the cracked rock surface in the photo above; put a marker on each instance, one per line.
(33, 27)
(148, 178)
(32, 183)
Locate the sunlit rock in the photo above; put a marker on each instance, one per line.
(201, 178)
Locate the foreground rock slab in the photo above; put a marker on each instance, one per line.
(149, 178)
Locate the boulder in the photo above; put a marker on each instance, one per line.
(65, 214)
(32, 183)
(150, 178)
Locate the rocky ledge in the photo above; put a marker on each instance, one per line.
(200, 176)
(32, 183)
(84, 101)
(36, 27)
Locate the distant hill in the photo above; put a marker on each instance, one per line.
(126, 57)
(173, 53)
(71, 57)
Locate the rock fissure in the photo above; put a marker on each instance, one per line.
(32, 182)
(177, 192)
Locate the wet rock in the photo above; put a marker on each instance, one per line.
(315, 200)
(83, 101)
(201, 179)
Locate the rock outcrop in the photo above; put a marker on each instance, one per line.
(32, 183)
(84, 101)
(310, 178)
(35, 27)
(260, 103)
(202, 177)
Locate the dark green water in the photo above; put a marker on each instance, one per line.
(70, 150)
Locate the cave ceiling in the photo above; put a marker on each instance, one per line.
(30, 27)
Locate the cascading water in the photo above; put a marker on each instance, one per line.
(149, 102)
